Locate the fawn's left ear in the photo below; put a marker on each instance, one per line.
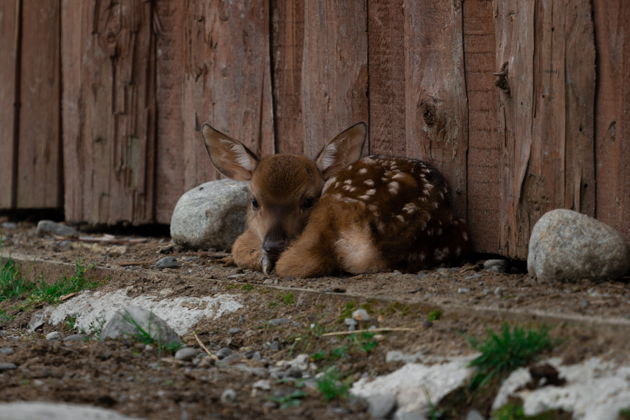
(342, 150)
(231, 157)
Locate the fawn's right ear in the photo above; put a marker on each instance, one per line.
(229, 156)
(342, 150)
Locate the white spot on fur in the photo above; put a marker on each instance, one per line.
(364, 197)
(458, 251)
(347, 187)
(384, 179)
(369, 182)
(352, 189)
(465, 236)
(348, 182)
(400, 217)
(435, 204)
(363, 171)
(393, 187)
(399, 175)
(441, 195)
(370, 191)
(410, 208)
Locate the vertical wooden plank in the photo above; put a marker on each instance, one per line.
(334, 70)
(39, 155)
(436, 112)
(386, 77)
(170, 165)
(109, 93)
(227, 79)
(484, 147)
(9, 82)
(547, 115)
(612, 35)
(287, 49)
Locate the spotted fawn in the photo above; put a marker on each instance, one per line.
(340, 212)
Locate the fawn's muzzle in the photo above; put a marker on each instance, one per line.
(273, 245)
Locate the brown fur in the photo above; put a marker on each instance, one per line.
(375, 214)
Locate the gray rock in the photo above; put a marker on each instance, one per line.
(233, 331)
(224, 352)
(75, 337)
(228, 395)
(129, 321)
(415, 414)
(49, 227)
(211, 215)
(167, 262)
(52, 336)
(351, 323)
(7, 366)
(262, 384)
(463, 290)
(278, 321)
(9, 225)
(37, 320)
(380, 406)
(6, 351)
(474, 415)
(496, 265)
(186, 353)
(566, 245)
(361, 315)
(55, 411)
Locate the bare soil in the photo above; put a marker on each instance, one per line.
(589, 320)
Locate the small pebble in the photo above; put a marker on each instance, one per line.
(351, 323)
(228, 395)
(167, 262)
(5, 351)
(584, 303)
(224, 352)
(52, 336)
(186, 353)
(473, 276)
(463, 290)
(7, 366)
(48, 226)
(427, 324)
(273, 346)
(9, 225)
(361, 315)
(496, 265)
(278, 321)
(262, 384)
(75, 337)
(233, 331)
(498, 291)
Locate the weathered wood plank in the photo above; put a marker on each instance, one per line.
(287, 58)
(436, 111)
(334, 70)
(484, 147)
(109, 97)
(386, 77)
(547, 115)
(170, 170)
(9, 82)
(612, 35)
(39, 167)
(227, 78)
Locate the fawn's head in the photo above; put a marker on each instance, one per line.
(284, 188)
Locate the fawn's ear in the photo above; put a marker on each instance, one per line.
(342, 150)
(229, 156)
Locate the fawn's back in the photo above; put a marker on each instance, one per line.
(340, 213)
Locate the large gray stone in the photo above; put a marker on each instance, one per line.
(568, 246)
(49, 227)
(211, 215)
(133, 321)
(54, 411)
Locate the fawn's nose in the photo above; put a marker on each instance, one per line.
(273, 246)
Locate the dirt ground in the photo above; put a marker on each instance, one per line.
(588, 319)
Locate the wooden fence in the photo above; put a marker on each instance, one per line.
(523, 104)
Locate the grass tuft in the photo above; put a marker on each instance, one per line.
(12, 285)
(331, 386)
(507, 350)
(434, 315)
(293, 399)
(141, 335)
(50, 293)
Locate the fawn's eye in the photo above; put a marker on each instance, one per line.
(255, 204)
(308, 203)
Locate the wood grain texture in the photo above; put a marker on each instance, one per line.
(39, 156)
(387, 77)
(227, 79)
(436, 111)
(612, 35)
(9, 101)
(484, 147)
(109, 111)
(287, 58)
(334, 70)
(170, 163)
(547, 117)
